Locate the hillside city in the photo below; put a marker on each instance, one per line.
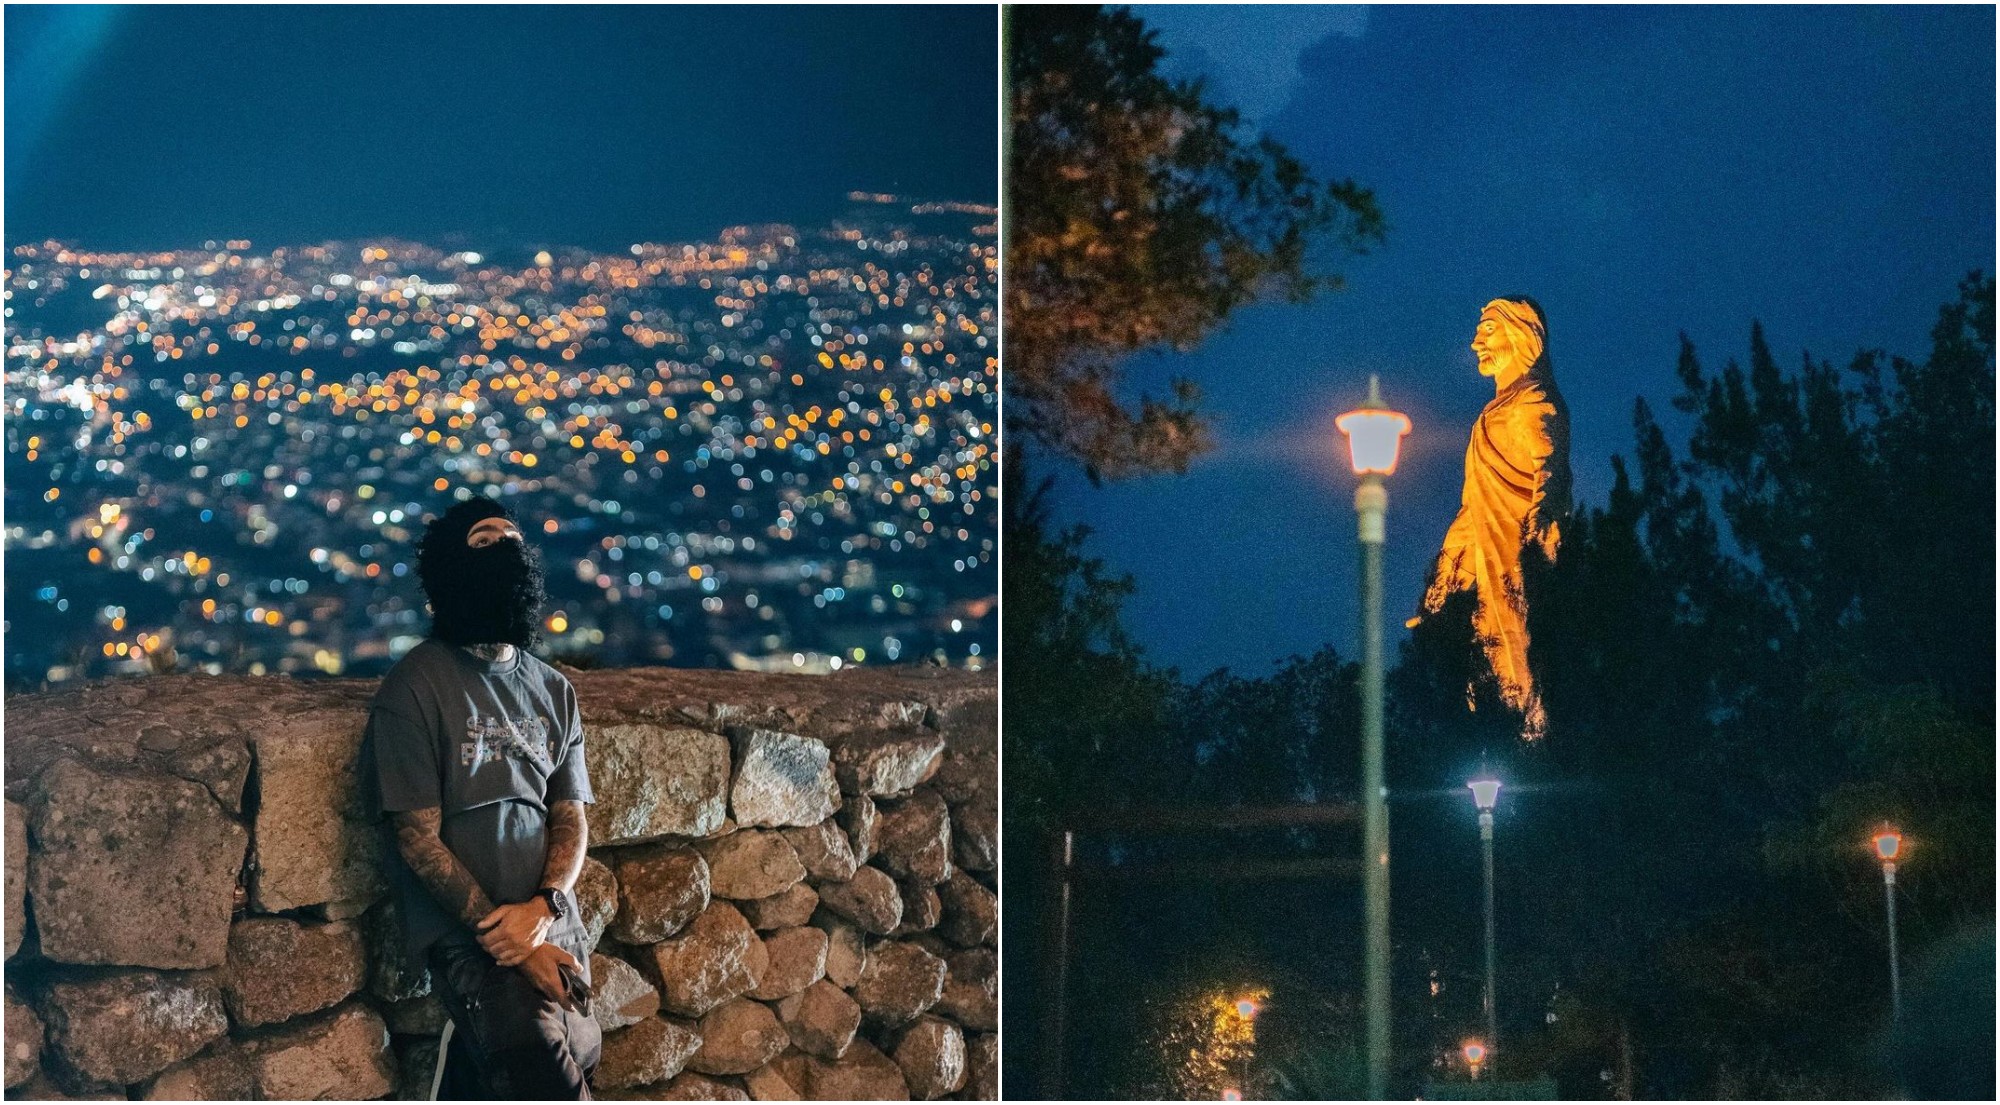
(774, 450)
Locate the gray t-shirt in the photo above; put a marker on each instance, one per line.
(491, 745)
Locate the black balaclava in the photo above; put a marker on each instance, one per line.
(482, 596)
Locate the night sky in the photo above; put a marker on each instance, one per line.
(1642, 171)
(591, 126)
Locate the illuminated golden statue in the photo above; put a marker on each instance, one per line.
(1516, 491)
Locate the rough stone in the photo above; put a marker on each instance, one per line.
(971, 912)
(717, 958)
(24, 1041)
(689, 1086)
(738, 1037)
(221, 1073)
(863, 1074)
(127, 1026)
(899, 982)
(313, 842)
(416, 1065)
(343, 1055)
(922, 908)
(795, 1067)
(343, 909)
(846, 950)
(796, 960)
(17, 877)
(971, 768)
(279, 969)
(769, 1083)
(222, 767)
(870, 899)
(652, 1050)
(931, 1053)
(975, 836)
(793, 906)
(824, 849)
(982, 1067)
(653, 782)
(913, 837)
(887, 762)
(821, 1019)
(972, 989)
(661, 887)
(857, 820)
(781, 779)
(131, 871)
(424, 1016)
(751, 863)
(44, 1088)
(389, 975)
(596, 898)
(622, 995)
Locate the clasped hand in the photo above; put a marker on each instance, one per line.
(510, 932)
(545, 966)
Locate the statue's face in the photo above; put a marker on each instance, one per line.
(1493, 343)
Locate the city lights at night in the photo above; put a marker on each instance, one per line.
(771, 450)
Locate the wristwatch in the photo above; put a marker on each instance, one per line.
(558, 907)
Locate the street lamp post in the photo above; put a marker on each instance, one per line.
(1486, 792)
(1374, 436)
(1888, 845)
(1475, 1057)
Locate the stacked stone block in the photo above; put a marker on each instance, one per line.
(791, 888)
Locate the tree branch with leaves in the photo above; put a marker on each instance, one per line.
(1139, 215)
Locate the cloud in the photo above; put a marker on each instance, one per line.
(1248, 53)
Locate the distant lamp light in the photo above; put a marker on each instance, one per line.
(1232, 1094)
(1246, 1008)
(1485, 792)
(1475, 1056)
(1374, 433)
(1888, 843)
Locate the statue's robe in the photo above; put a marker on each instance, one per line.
(1516, 491)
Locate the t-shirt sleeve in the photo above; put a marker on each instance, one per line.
(571, 780)
(406, 764)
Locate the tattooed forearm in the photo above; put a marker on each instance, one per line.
(568, 837)
(440, 872)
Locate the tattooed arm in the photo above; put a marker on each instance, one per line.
(568, 836)
(440, 872)
(512, 931)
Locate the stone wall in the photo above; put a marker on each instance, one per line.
(791, 883)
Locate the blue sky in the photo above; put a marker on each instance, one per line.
(1642, 171)
(586, 125)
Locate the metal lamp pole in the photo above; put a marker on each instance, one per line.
(1371, 502)
(1374, 436)
(1485, 792)
(1889, 844)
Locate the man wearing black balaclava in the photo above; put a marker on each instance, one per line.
(477, 759)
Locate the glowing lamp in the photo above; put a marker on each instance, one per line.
(1888, 843)
(1485, 792)
(1374, 433)
(1246, 1008)
(1232, 1094)
(1475, 1054)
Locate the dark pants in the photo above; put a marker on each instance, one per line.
(509, 1041)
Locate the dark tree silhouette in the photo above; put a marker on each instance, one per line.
(1754, 650)
(1139, 216)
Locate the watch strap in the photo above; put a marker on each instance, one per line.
(558, 906)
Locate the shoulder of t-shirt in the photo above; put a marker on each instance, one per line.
(537, 668)
(408, 680)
